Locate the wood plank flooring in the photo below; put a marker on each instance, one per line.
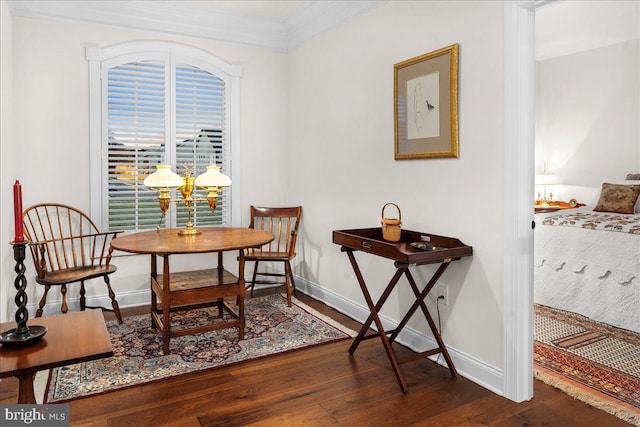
(323, 386)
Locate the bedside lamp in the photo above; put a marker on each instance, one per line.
(164, 179)
(544, 179)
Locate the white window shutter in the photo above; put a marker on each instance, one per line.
(136, 142)
(140, 109)
(200, 134)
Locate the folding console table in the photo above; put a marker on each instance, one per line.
(443, 250)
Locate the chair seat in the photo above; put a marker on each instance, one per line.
(266, 256)
(75, 274)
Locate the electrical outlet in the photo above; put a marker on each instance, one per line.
(442, 294)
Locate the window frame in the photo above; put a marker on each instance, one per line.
(101, 59)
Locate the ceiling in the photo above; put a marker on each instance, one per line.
(566, 27)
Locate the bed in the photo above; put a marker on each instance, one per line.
(587, 261)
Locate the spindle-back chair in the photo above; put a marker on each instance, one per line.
(283, 222)
(67, 247)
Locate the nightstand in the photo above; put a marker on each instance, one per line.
(541, 207)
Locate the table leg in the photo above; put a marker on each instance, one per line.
(166, 305)
(241, 294)
(154, 297)
(374, 316)
(404, 268)
(25, 389)
(220, 302)
(420, 300)
(377, 307)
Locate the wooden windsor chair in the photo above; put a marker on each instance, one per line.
(67, 247)
(283, 222)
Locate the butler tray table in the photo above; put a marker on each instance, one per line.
(443, 250)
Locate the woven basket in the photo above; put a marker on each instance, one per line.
(391, 226)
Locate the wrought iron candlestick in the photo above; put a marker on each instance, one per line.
(22, 334)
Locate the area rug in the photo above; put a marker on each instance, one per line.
(591, 361)
(271, 328)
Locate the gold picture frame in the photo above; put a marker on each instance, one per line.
(426, 105)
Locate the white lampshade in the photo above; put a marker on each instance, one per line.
(213, 178)
(164, 177)
(546, 179)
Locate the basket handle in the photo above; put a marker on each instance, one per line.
(399, 213)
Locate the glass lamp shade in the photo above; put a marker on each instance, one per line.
(213, 178)
(164, 177)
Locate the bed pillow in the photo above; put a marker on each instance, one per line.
(633, 177)
(630, 182)
(618, 198)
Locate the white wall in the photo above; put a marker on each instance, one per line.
(341, 134)
(587, 119)
(7, 169)
(317, 130)
(50, 116)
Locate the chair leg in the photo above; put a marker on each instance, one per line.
(43, 301)
(253, 279)
(241, 318)
(83, 299)
(287, 283)
(114, 303)
(63, 291)
(293, 282)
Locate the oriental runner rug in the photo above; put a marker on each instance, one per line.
(591, 361)
(271, 328)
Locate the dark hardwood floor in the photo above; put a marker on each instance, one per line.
(322, 386)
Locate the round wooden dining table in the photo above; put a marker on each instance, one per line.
(179, 291)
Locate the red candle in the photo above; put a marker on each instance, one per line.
(17, 212)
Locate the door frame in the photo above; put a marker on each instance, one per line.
(519, 160)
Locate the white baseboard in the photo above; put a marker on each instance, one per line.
(125, 299)
(468, 366)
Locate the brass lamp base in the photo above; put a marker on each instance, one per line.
(189, 231)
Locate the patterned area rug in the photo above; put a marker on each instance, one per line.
(271, 328)
(591, 361)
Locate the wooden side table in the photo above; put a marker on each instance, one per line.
(71, 338)
(446, 250)
(556, 206)
(187, 290)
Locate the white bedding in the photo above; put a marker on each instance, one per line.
(593, 271)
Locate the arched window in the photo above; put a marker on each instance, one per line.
(159, 103)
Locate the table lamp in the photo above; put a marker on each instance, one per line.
(164, 179)
(544, 179)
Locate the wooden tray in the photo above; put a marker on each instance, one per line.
(370, 240)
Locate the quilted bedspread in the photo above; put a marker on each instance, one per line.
(589, 263)
(597, 221)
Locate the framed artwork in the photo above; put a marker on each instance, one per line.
(426, 105)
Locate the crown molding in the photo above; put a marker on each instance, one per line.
(187, 18)
(320, 16)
